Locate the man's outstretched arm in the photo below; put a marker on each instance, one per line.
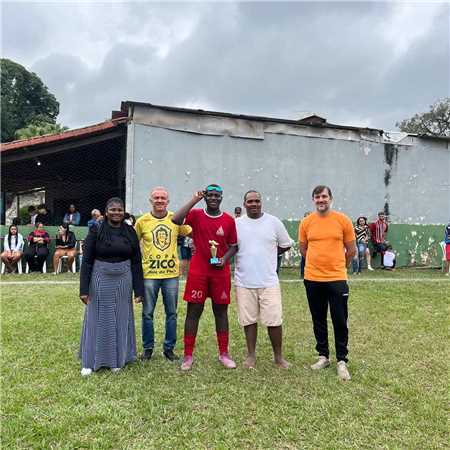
(181, 214)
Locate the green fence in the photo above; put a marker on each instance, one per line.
(25, 230)
(415, 245)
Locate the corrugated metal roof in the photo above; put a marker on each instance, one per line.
(129, 103)
(77, 133)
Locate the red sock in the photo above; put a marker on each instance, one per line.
(189, 344)
(222, 341)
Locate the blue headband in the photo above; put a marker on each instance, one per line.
(214, 188)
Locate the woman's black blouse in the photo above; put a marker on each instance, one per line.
(120, 249)
(70, 243)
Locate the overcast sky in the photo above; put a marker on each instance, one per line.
(362, 64)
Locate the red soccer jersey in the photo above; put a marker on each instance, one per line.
(205, 228)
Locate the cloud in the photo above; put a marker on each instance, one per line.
(367, 64)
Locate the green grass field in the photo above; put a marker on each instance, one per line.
(397, 398)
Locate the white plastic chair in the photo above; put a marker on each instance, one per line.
(74, 264)
(19, 267)
(44, 268)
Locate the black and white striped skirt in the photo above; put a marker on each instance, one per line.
(108, 336)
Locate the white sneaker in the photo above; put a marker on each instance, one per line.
(321, 363)
(85, 372)
(370, 268)
(342, 371)
(115, 369)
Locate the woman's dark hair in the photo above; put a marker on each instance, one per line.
(9, 234)
(361, 217)
(104, 230)
(67, 229)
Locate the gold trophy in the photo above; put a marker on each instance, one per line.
(214, 259)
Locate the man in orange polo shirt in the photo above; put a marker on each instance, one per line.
(327, 241)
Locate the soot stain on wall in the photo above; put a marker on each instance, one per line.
(390, 158)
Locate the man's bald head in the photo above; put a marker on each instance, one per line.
(159, 190)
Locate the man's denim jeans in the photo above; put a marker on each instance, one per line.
(169, 289)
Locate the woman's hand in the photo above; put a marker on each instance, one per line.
(138, 300)
(85, 299)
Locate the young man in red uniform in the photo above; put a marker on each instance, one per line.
(214, 235)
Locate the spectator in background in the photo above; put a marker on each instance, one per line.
(378, 230)
(43, 216)
(72, 216)
(130, 219)
(237, 212)
(362, 234)
(447, 249)
(95, 217)
(12, 248)
(65, 246)
(389, 258)
(32, 213)
(37, 251)
(186, 244)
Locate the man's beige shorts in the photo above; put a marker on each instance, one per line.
(262, 304)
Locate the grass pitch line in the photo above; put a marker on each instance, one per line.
(351, 280)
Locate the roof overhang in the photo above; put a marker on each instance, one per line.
(48, 144)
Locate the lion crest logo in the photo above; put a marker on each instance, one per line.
(162, 237)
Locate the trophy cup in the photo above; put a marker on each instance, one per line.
(214, 259)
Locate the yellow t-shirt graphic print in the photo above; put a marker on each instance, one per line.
(159, 245)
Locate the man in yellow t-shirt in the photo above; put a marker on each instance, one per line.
(161, 267)
(327, 241)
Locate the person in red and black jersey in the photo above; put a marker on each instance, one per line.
(378, 230)
(211, 228)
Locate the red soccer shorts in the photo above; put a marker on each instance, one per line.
(447, 252)
(200, 287)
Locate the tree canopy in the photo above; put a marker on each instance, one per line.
(435, 122)
(39, 129)
(24, 100)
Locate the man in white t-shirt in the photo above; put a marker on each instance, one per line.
(261, 238)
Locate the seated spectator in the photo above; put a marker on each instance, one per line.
(37, 251)
(237, 212)
(43, 216)
(65, 246)
(129, 219)
(12, 248)
(32, 213)
(72, 216)
(378, 230)
(389, 258)
(94, 221)
(362, 241)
